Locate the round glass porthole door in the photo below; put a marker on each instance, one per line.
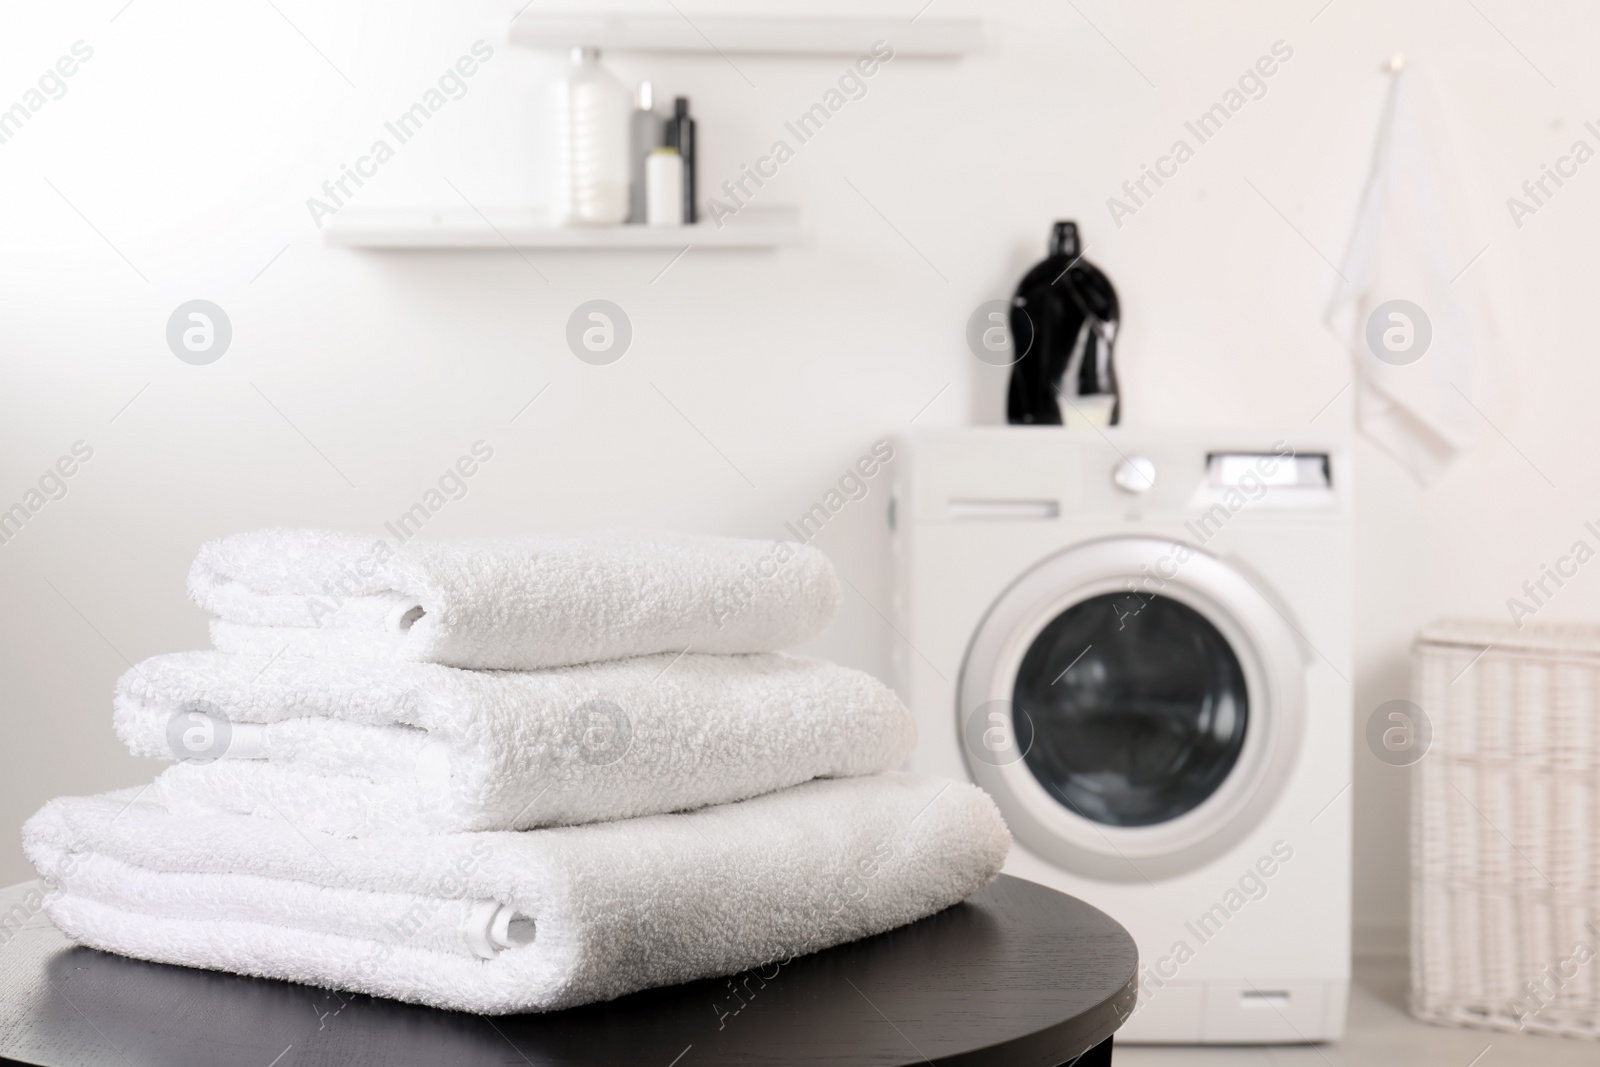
(1138, 708)
(1134, 706)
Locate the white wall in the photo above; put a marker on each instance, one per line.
(192, 138)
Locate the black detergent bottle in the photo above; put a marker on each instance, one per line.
(1064, 322)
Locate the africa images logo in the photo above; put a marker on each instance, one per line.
(1399, 332)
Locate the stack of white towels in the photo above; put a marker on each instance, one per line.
(508, 775)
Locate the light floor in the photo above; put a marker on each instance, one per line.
(1381, 1032)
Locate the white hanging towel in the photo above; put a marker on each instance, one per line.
(1417, 301)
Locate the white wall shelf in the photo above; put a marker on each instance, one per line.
(463, 228)
(777, 35)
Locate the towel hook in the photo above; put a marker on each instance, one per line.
(1394, 64)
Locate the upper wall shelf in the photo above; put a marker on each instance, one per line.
(462, 228)
(778, 35)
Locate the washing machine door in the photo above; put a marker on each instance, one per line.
(1134, 706)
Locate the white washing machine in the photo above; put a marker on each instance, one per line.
(1139, 644)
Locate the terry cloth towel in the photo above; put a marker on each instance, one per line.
(1420, 302)
(510, 922)
(359, 747)
(513, 603)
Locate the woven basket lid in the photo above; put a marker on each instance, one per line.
(1549, 638)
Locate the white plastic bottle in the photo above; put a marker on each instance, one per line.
(592, 114)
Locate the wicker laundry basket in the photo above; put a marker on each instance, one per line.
(1505, 829)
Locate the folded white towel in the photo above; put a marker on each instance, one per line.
(507, 922)
(359, 747)
(512, 603)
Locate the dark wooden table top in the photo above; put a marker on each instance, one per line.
(1018, 974)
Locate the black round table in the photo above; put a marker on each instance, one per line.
(1017, 974)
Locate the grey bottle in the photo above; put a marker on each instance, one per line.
(645, 132)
